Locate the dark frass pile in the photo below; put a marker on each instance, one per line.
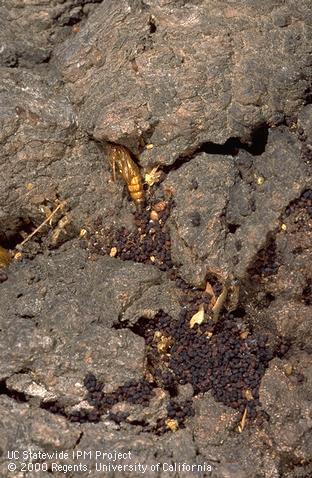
(148, 243)
(139, 393)
(230, 361)
(224, 357)
(133, 392)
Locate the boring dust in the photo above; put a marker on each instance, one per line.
(180, 329)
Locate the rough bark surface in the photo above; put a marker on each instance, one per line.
(217, 94)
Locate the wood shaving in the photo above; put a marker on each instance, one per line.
(199, 317)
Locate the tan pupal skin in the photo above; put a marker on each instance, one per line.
(5, 257)
(121, 160)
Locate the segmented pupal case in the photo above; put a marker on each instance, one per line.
(121, 160)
